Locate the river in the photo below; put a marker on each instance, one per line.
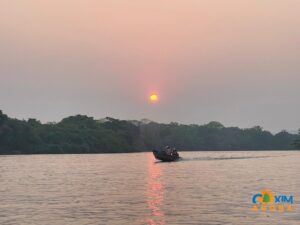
(203, 188)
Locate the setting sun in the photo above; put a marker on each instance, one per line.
(153, 98)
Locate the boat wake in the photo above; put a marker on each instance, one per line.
(226, 158)
(183, 159)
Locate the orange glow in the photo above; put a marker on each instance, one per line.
(155, 193)
(153, 98)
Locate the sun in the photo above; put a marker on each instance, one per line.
(153, 98)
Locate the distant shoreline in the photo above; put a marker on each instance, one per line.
(81, 134)
(115, 153)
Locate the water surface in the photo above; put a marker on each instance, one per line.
(203, 188)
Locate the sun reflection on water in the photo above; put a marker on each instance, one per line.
(155, 193)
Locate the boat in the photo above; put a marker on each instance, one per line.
(163, 156)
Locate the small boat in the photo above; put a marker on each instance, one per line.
(163, 156)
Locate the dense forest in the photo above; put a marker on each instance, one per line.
(83, 134)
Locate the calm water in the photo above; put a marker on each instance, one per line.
(204, 188)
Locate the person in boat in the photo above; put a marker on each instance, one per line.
(174, 152)
(168, 150)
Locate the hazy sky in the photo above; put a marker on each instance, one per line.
(234, 61)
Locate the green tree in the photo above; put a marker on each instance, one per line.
(83, 134)
(297, 141)
(266, 198)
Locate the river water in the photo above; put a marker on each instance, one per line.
(202, 188)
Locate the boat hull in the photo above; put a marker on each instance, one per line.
(162, 156)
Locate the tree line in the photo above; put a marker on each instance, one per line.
(83, 134)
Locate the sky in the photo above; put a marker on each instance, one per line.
(233, 61)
